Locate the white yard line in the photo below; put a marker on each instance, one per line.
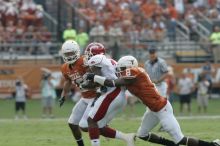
(118, 118)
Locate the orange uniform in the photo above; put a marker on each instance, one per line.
(144, 89)
(75, 73)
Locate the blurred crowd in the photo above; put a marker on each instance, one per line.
(21, 22)
(147, 20)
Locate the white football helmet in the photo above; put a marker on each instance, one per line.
(127, 62)
(70, 51)
(96, 60)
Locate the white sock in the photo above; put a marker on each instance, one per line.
(95, 142)
(120, 135)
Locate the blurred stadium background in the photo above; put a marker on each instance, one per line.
(185, 32)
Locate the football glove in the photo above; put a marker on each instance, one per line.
(61, 101)
(90, 76)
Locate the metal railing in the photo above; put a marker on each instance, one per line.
(50, 22)
(183, 30)
(115, 46)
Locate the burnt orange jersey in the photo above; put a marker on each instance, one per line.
(74, 73)
(144, 89)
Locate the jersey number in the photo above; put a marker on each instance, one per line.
(128, 72)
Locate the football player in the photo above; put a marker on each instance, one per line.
(137, 81)
(73, 71)
(106, 106)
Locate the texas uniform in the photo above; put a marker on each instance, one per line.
(160, 110)
(80, 111)
(109, 103)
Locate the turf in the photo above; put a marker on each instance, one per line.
(55, 132)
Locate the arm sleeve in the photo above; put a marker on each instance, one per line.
(164, 67)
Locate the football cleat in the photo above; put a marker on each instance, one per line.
(129, 138)
(216, 142)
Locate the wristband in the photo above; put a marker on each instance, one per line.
(99, 79)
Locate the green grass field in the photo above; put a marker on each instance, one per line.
(55, 132)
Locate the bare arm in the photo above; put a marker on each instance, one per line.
(66, 88)
(162, 78)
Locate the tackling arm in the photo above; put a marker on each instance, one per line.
(113, 83)
(118, 82)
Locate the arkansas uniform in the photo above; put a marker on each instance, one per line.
(75, 73)
(113, 100)
(160, 110)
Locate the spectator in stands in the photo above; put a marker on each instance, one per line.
(2, 31)
(215, 43)
(82, 38)
(180, 7)
(20, 94)
(10, 30)
(202, 93)
(44, 35)
(69, 33)
(115, 32)
(147, 33)
(11, 13)
(30, 36)
(39, 15)
(48, 95)
(185, 89)
(20, 29)
(99, 3)
(28, 12)
(97, 31)
(171, 15)
(159, 28)
(150, 8)
(191, 22)
(2, 11)
(134, 35)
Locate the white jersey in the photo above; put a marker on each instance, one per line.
(108, 66)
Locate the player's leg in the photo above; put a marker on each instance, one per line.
(149, 121)
(104, 111)
(116, 106)
(162, 89)
(169, 122)
(105, 131)
(98, 111)
(171, 125)
(74, 120)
